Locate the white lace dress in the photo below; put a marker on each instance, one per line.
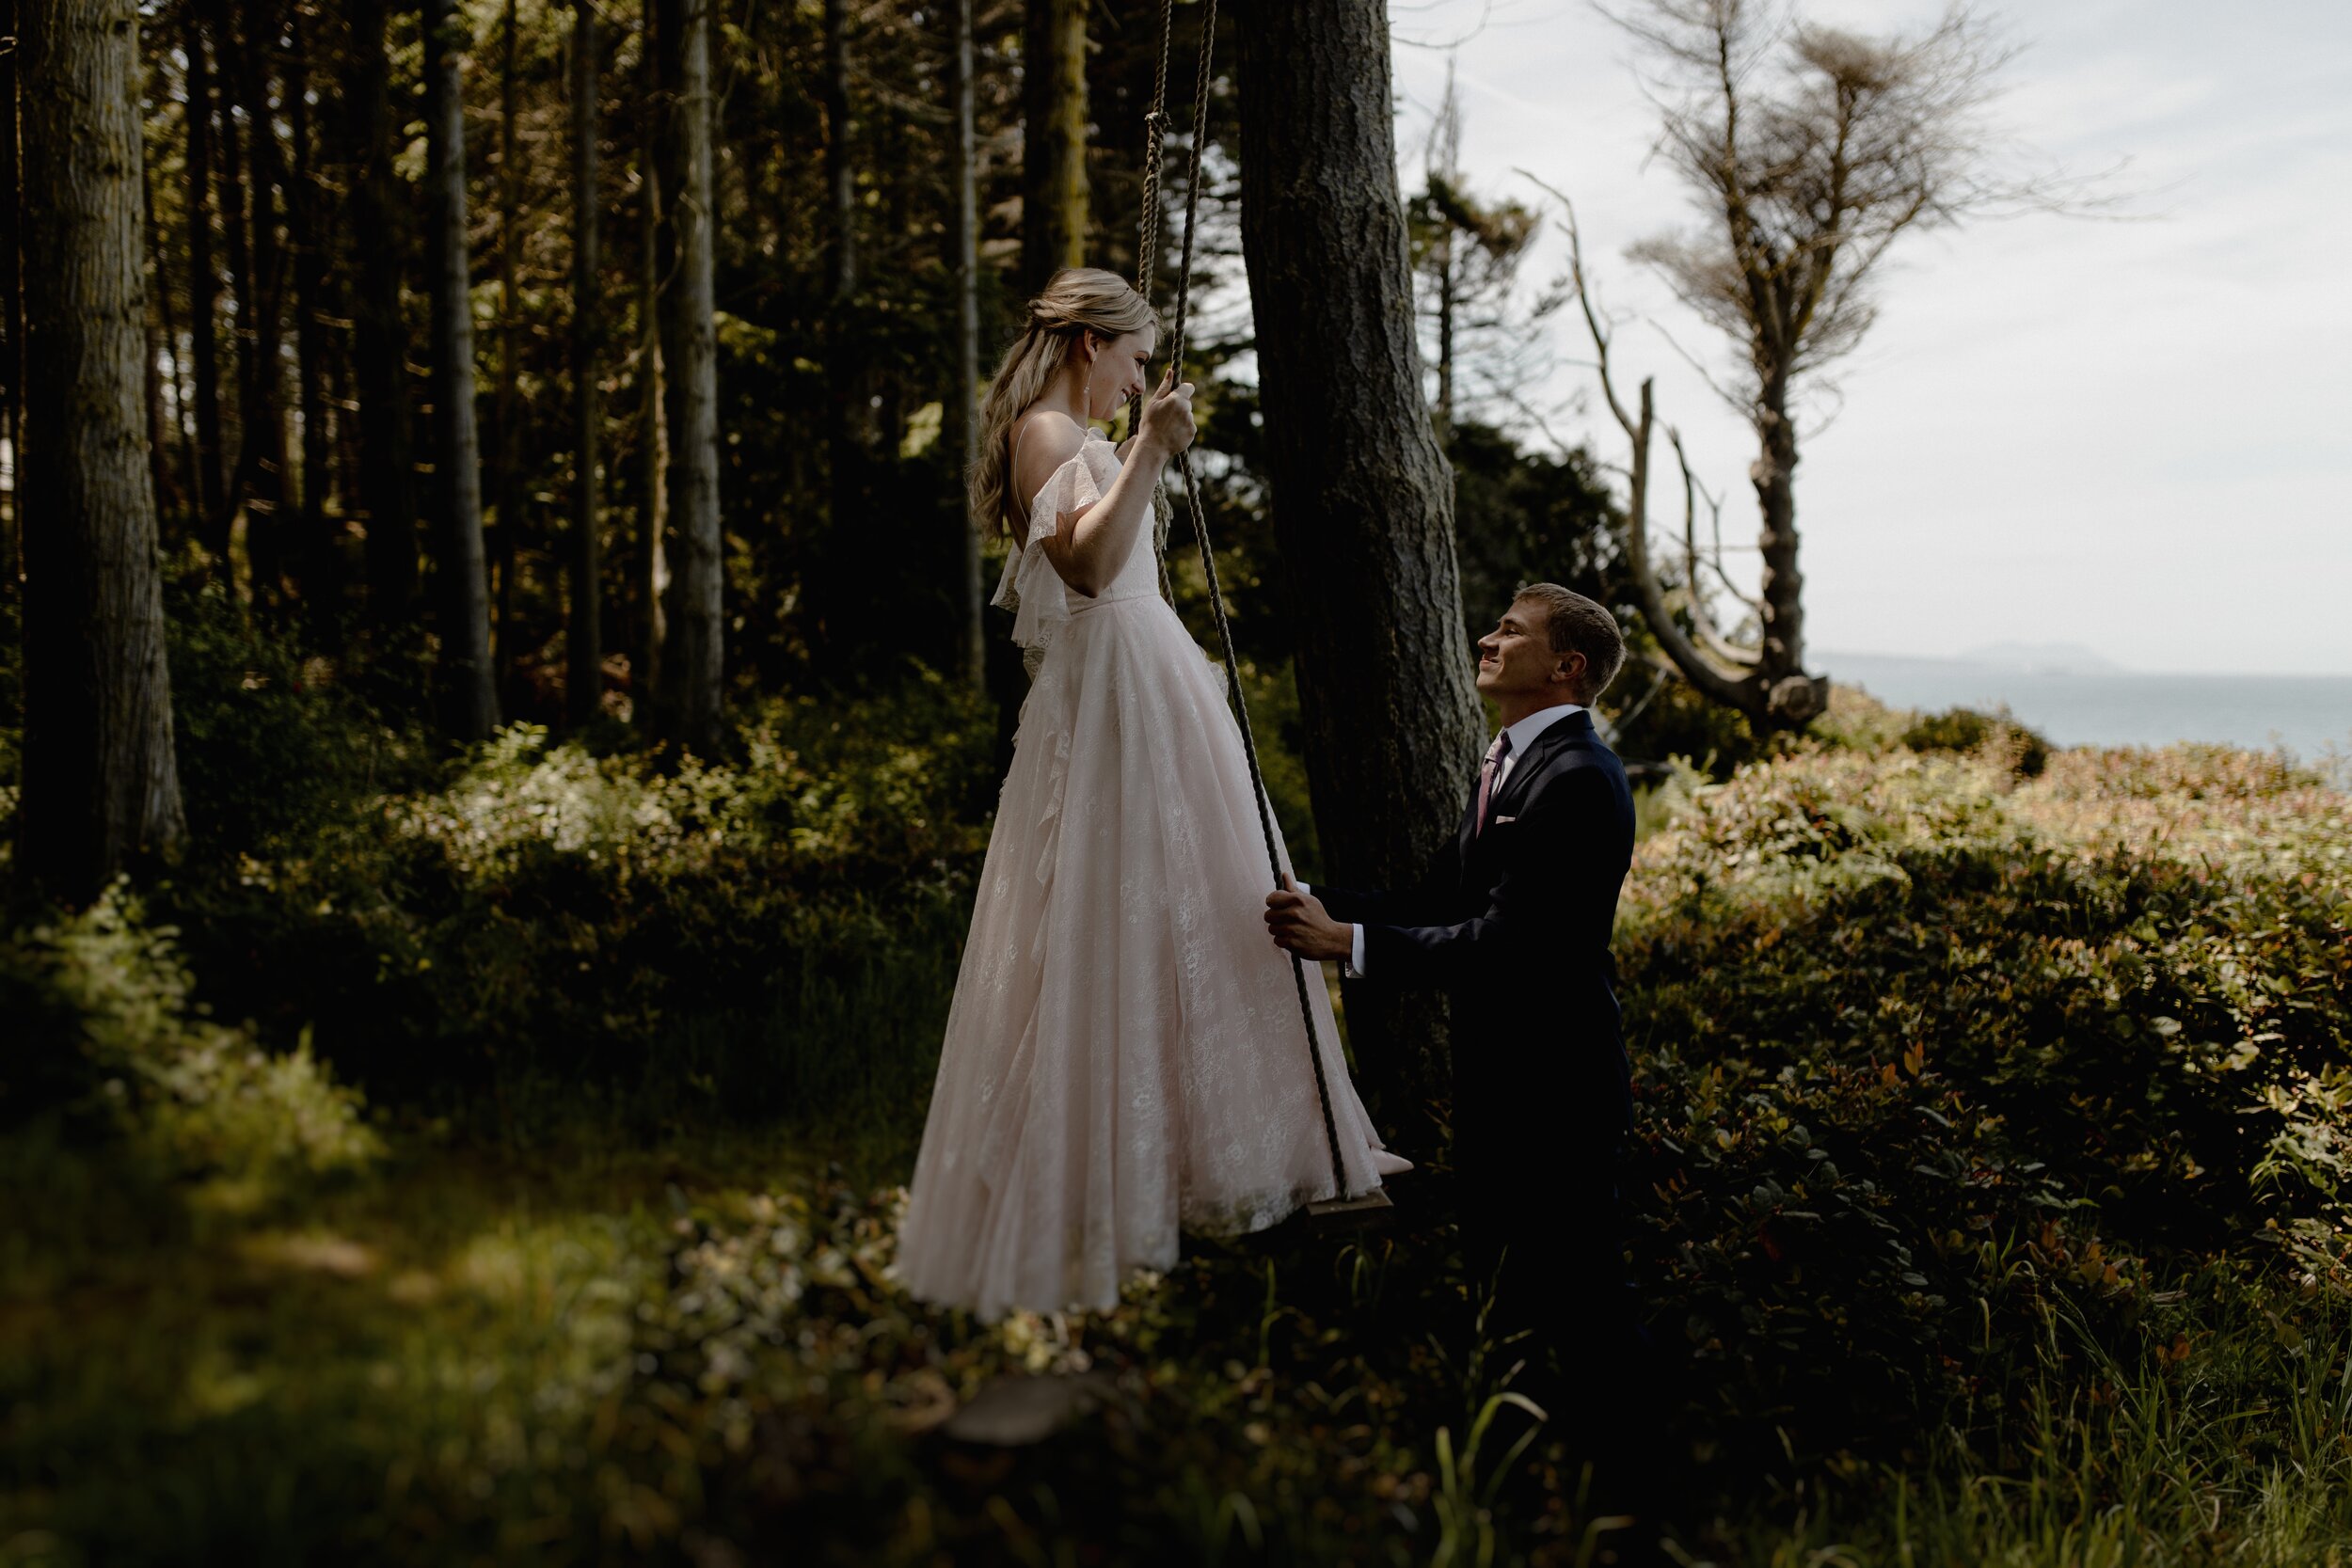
(1124, 1058)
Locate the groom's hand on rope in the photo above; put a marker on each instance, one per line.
(1300, 924)
(1168, 416)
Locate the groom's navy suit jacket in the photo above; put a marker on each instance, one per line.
(1514, 923)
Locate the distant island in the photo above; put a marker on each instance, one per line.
(2014, 659)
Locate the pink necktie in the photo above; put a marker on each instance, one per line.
(1488, 771)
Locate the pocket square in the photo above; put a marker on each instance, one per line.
(1501, 820)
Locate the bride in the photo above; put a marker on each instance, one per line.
(1124, 1058)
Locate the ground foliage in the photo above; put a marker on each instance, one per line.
(1988, 1183)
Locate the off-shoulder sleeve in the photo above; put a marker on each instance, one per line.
(1030, 588)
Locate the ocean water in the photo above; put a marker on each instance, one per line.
(2308, 715)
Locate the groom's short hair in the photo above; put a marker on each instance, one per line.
(1579, 625)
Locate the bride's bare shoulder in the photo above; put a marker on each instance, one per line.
(1042, 441)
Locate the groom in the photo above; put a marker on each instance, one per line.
(1512, 919)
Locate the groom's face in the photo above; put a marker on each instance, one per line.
(1515, 659)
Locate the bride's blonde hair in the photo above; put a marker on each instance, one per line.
(1077, 300)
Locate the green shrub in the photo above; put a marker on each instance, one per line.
(669, 938)
(1962, 729)
(1919, 1045)
(100, 1000)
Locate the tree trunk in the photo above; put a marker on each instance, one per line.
(101, 784)
(203, 279)
(1054, 145)
(319, 568)
(379, 337)
(230, 192)
(11, 315)
(470, 709)
(833, 601)
(693, 659)
(841, 260)
(262, 409)
(1783, 596)
(1363, 500)
(508, 488)
(584, 688)
(155, 289)
(653, 434)
(966, 400)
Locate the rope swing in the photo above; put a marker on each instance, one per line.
(1156, 128)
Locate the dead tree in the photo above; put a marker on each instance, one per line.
(1808, 152)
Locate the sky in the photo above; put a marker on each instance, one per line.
(2132, 435)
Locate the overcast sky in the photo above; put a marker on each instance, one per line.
(2132, 435)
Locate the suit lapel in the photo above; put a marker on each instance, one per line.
(1576, 726)
(1565, 732)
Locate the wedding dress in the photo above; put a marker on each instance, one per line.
(1124, 1058)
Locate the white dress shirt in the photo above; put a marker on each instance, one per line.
(1522, 736)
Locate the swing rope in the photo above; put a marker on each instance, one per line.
(1156, 127)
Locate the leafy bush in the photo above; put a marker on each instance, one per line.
(673, 938)
(1964, 729)
(1921, 1046)
(101, 1002)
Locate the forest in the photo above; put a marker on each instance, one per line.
(500, 717)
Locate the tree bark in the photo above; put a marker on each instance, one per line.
(11, 314)
(203, 274)
(319, 565)
(379, 335)
(508, 487)
(966, 399)
(1773, 475)
(230, 173)
(1363, 500)
(101, 781)
(155, 292)
(693, 658)
(840, 173)
(1054, 120)
(470, 701)
(584, 688)
(260, 476)
(652, 565)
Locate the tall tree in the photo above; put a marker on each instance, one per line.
(1811, 151)
(1467, 254)
(583, 639)
(100, 781)
(260, 477)
(651, 567)
(469, 698)
(967, 260)
(203, 271)
(11, 308)
(693, 658)
(1361, 499)
(1053, 114)
(318, 565)
(508, 489)
(379, 335)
